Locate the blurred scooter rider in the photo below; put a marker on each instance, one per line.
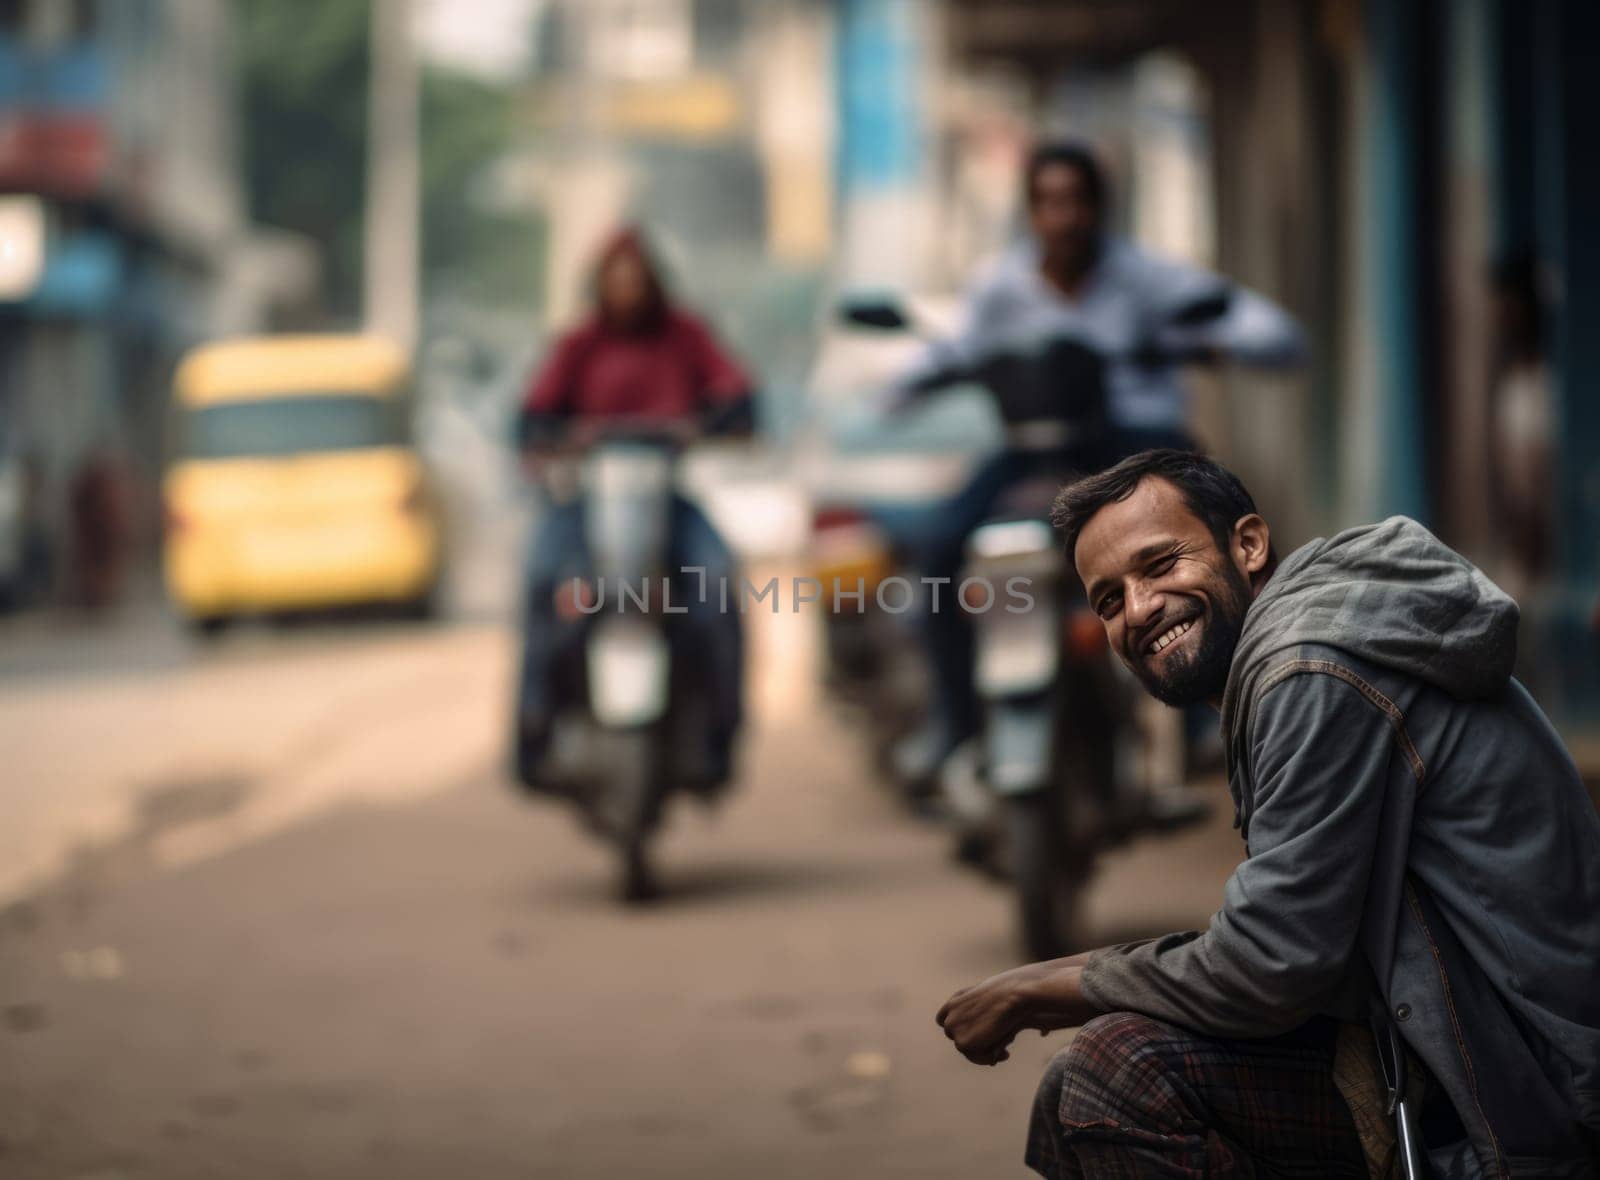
(1072, 278)
(635, 357)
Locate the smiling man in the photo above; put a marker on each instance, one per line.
(1421, 857)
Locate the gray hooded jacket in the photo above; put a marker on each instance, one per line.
(1416, 834)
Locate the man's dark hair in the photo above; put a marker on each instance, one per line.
(1210, 490)
(1076, 156)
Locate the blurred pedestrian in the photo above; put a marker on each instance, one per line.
(38, 553)
(100, 503)
(1522, 487)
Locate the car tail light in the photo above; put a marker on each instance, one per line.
(847, 549)
(1086, 636)
(826, 519)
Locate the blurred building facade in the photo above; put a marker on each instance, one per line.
(1407, 176)
(125, 233)
(709, 122)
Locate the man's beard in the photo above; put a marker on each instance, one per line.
(1203, 675)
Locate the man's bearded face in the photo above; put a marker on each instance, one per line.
(1172, 601)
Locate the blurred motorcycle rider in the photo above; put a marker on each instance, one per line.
(1072, 278)
(635, 357)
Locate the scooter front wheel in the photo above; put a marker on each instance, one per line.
(1049, 886)
(633, 799)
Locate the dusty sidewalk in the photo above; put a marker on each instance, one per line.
(437, 981)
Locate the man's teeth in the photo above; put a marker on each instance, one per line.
(1167, 637)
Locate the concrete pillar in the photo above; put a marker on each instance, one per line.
(1570, 170)
(882, 51)
(392, 257)
(794, 131)
(1396, 144)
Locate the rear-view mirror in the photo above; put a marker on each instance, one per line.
(884, 315)
(1203, 310)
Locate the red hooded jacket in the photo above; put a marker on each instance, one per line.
(670, 368)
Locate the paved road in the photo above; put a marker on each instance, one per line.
(273, 912)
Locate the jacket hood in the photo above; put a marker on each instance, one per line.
(629, 241)
(1391, 594)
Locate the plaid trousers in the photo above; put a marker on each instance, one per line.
(1134, 1097)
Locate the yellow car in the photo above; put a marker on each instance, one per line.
(294, 484)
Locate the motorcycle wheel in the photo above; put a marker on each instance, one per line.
(633, 797)
(1049, 887)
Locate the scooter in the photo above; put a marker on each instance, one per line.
(630, 723)
(1040, 792)
(1049, 782)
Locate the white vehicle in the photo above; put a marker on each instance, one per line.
(872, 481)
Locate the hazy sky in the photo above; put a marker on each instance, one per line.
(490, 37)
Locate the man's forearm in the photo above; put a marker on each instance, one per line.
(1054, 998)
(1077, 960)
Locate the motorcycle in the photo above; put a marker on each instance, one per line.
(1037, 793)
(630, 723)
(1051, 780)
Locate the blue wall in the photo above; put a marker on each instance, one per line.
(879, 144)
